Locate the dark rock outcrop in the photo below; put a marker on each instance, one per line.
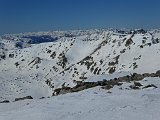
(108, 84)
(129, 42)
(111, 70)
(138, 84)
(53, 55)
(5, 101)
(23, 98)
(151, 85)
(11, 55)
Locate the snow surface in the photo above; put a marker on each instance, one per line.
(91, 104)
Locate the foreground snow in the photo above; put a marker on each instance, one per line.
(122, 103)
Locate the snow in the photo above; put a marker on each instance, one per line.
(101, 45)
(91, 104)
(89, 54)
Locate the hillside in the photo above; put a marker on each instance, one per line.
(36, 64)
(120, 103)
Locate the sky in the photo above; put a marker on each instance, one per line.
(43, 15)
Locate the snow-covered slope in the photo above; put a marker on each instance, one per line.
(119, 103)
(36, 64)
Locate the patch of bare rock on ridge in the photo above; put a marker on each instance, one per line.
(108, 84)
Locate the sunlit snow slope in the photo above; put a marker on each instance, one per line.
(36, 64)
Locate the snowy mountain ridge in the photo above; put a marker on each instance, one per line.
(36, 64)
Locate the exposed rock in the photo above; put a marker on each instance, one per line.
(114, 62)
(49, 83)
(151, 85)
(3, 55)
(141, 31)
(123, 51)
(124, 78)
(88, 61)
(23, 98)
(5, 101)
(63, 90)
(99, 71)
(148, 75)
(157, 73)
(82, 77)
(16, 64)
(88, 64)
(101, 62)
(112, 70)
(149, 44)
(109, 92)
(62, 60)
(95, 71)
(141, 46)
(49, 51)
(108, 84)
(42, 98)
(135, 65)
(137, 77)
(129, 42)
(37, 60)
(138, 84)
(55, 69)
(143, 42)
(11, 55)
(107, 87)
(86, 85)
(134, 87)
(53, 55)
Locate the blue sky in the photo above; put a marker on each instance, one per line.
(42, 15)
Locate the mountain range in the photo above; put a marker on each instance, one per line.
(37, 65)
